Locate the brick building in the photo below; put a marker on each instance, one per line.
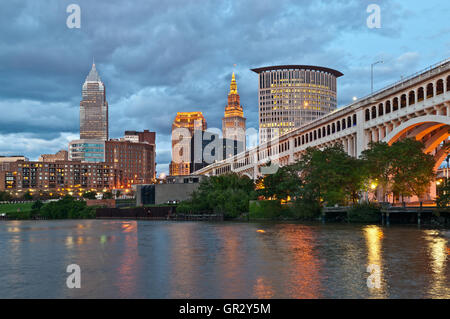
(136, 161)
(62, 155)
(59, 176)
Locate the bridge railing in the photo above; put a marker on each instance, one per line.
(408, 78)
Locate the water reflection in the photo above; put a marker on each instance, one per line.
(437, 248)
(374, 238)
(127, 270)
(262, 289)
(304, 274)
(142, 259)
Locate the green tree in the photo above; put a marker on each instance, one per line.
(228, 194)
(443, 198)
(67, 208)
(107, 195)
(284, 183)
(402, 168)
(90, 195)
(412, 169)
(5, 196)
(378, 159)
(37, 205)
(331, 176)
(27, 196)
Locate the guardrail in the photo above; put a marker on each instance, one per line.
(18, 202)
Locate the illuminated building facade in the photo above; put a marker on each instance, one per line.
(183, 128)
(135, 159)
(59, 176)
(292, 95)
(233, 122)
(94, 108)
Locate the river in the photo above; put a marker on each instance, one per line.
(164, 259)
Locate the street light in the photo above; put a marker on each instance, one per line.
(371, 74)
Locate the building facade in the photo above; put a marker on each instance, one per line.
(87, 150)
(208, 147)
(62, 155)
(183, 128)
(136, 161)
(140, 137)
(13, 158)
(292, 95)
(59, 177)
(233, 122)
(94, 108)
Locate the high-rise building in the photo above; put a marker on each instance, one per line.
(94, 108)
(233, 122)
(292, 95)
(208, 147)
(183, 128)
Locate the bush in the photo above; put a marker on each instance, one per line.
(20, 215)
(306, 209)
(67, 208)
(5, 196)
(227, 194)
(90, 195)
(365, 213)
(27, 196)
(268, 209)
(107, 195)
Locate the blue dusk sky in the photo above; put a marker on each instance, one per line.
(157, 58)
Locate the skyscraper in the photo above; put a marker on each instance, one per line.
(94, 108)
(183, 128)
(233, 122)
(293, 95)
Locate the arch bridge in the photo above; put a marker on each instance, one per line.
(417, 106)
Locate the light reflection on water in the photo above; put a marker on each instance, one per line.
(159, 259)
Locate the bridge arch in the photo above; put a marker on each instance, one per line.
(438, 123)
(439, 120)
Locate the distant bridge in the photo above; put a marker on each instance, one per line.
(417, 106)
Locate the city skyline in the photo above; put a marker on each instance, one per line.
(40, 93)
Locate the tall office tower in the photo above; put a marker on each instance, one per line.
(233, 122)
(183, 128)
(292, 95)
(94, 108)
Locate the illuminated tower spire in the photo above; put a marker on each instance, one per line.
(233, 85)
(233, 122)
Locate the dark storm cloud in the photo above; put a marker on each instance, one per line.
(160, 57)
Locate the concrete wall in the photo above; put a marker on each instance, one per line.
(179, 192)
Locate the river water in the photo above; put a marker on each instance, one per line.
(159, 259)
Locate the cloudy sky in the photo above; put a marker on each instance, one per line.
(160, 57)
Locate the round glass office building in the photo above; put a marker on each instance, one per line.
(293, 95)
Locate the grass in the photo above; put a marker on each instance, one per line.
(12, 208)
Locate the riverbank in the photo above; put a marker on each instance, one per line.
(259, 211)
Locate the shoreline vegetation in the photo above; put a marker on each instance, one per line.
(319, 180)
(65, 208)
(324, 178)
